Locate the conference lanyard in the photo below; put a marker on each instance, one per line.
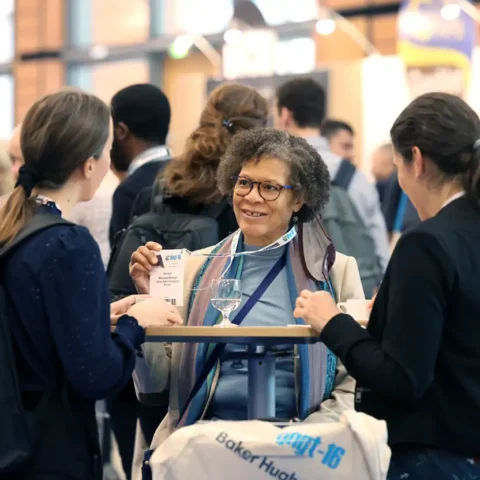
(279, 243)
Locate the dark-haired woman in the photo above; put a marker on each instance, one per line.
(57, 293)
(417, 365)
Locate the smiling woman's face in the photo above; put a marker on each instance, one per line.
(262, 222)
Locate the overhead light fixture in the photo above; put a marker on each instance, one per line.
(451, 11)
(181, 46)
(233, 36)
(325, 26)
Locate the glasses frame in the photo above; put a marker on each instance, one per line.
(252, 184)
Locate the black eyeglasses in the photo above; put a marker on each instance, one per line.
(269, 191)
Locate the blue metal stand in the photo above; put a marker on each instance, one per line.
(261, 383)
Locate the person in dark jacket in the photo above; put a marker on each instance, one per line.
(57, 293)
(141, 119)
(417, 364)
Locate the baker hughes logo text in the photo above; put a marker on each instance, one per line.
(299, 444)
(262, 462)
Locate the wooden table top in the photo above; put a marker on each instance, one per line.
(294, 334)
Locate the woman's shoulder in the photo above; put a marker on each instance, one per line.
(346, 278)
(60, 241)
(71, 237)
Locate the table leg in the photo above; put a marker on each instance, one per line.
(261, 384)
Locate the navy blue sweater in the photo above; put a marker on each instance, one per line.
(58, 293)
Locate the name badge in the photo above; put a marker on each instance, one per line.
(166, 279)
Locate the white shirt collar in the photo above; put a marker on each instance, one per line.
(453, 198)
(159, 154)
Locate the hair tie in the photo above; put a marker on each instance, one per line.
(476, 145)
(228, 124)
(27, 179)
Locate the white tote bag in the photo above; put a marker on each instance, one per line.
(354, 448)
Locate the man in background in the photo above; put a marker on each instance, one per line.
(340, 136)
(15, 151)
(382, 168)
(300, 110)
(141, 119)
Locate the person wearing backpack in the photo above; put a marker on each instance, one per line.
(300, 110)
(184, 209)
(57, 352)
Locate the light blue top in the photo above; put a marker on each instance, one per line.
(365, 197)
(230, 400)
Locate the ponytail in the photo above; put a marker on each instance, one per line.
(14, 214)
(471, 180)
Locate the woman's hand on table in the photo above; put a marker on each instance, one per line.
(120, 307)
(141, 263)
(155, 312)
(317, 309)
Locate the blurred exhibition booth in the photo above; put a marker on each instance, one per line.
(373, 56)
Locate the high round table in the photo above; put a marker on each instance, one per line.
(261, 361)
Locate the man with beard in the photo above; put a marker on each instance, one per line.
(141, 118)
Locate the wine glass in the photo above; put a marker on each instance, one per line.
(226, 297)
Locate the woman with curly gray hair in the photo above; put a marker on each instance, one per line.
(278, 184)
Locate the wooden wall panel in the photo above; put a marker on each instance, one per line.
(33, 80)
(118, 22)
(384, 34)
(110, 77)
(185, 84)
(345, 99)
(339, 46)
(39, 25)
(342, 4)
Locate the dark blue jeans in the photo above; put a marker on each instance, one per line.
(432, 465)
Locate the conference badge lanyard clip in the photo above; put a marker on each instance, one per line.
(167, 279)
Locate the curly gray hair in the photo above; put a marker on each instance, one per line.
(309, 175)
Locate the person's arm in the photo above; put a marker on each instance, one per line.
(96, 362)
(402, 365)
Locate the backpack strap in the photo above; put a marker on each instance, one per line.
(35, 224)
(344, 175)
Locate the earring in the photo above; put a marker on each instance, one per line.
(295, 219)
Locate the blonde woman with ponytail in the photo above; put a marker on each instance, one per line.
(56, 293)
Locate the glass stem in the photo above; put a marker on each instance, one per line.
(226, 317)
